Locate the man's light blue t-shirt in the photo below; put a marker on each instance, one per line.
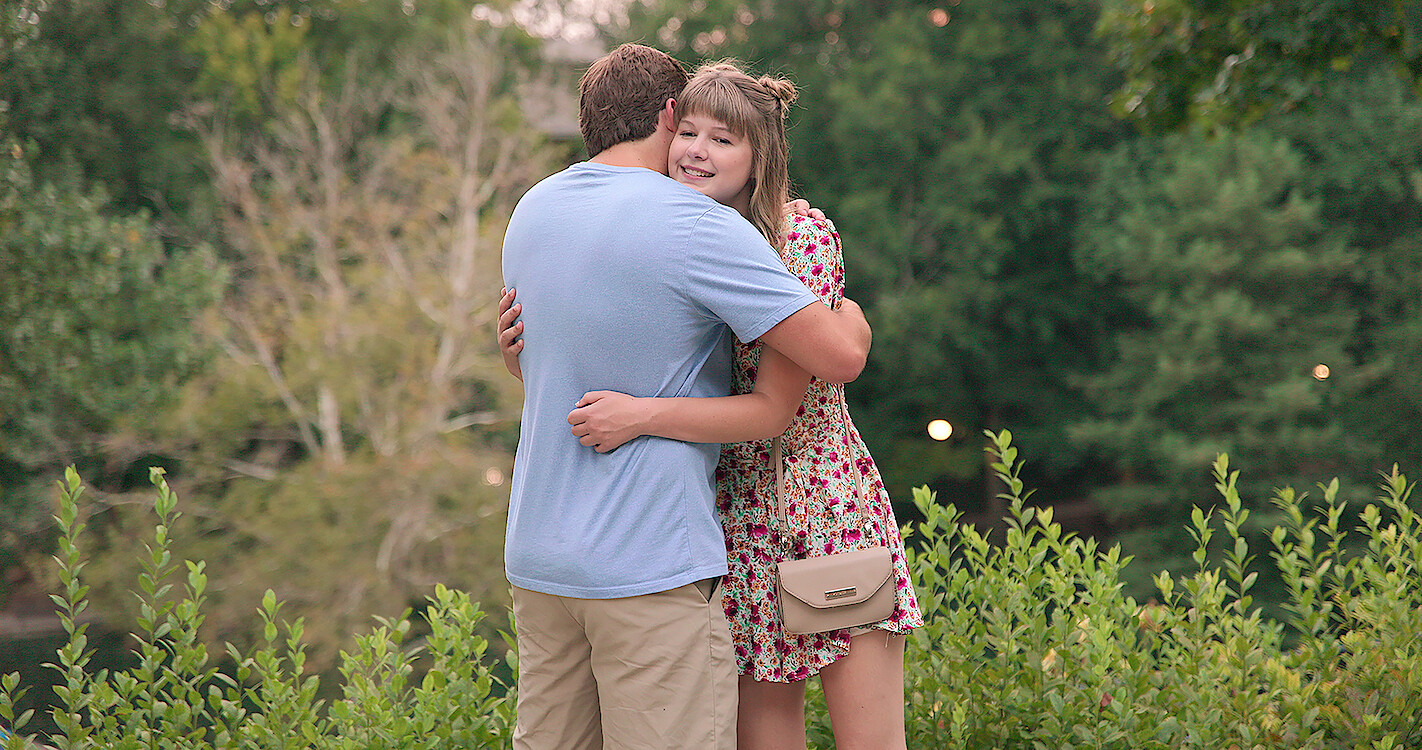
(629, 282)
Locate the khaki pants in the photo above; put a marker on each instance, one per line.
(652, 672)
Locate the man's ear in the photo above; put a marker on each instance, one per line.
(667, 117)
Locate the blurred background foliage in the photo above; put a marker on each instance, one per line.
(256, 242)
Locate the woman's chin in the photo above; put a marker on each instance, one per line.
(698, 187)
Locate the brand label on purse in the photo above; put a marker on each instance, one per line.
(840, 593)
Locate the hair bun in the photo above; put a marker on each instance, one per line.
(780, 88)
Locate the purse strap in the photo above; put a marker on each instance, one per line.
(777, 458)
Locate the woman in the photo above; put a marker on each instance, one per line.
(730, 144)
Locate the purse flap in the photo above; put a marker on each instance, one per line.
(837, 580)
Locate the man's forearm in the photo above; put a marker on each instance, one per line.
(861, 337)
(832, 345)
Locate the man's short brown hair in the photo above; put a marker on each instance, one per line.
(622, 92)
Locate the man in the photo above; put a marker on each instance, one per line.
(634, 283)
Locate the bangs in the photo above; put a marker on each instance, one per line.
(718, 97)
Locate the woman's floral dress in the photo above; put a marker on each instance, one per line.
(821, 448)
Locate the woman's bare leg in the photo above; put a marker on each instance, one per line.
(864, 691)
(771, 715)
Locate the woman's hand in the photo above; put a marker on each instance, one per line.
(607, 419)
(510, 328)
(802, 207)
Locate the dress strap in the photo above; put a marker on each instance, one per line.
(777, 457)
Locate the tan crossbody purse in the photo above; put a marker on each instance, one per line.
(830, 592)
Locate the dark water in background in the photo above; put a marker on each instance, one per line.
(111, 649)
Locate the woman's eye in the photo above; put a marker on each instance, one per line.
(724, 141)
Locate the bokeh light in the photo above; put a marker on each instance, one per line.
(940, 429)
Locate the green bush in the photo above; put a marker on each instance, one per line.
(177, 697)
(1029, 643)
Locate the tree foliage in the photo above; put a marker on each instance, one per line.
(1275, 275)
(1244, 292)
(1129, 303)
(1364, 160)
(1229, 63)
(97, 325)
(94, 84)
(357, 380)
(363, 252)
(352, 164)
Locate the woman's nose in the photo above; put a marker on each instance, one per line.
(697, 149)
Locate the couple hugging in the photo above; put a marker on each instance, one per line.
(640, 549)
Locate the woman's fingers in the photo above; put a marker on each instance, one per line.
(802, 207)
(509, 337)
(508, 320)
(510, 327)
(592, 397)
(510, 330)
(507, 317)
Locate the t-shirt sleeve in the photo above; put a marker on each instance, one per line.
(736, 277)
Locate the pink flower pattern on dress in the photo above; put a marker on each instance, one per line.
(822, 450)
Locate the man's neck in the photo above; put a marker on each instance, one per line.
(647, 153)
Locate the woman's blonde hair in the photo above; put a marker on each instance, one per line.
(753, 108)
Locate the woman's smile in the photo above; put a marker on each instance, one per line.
(710, 157)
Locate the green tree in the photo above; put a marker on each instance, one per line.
(1244, 292)
(103, 86)
(346, 446)
(252, 56)
(94, 84)
(1230, 63)
(352, 163)
(1365, 161)
(97, 320)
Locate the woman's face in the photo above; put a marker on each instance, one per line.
(706, 155)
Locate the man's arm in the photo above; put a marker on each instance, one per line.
(830, 344)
